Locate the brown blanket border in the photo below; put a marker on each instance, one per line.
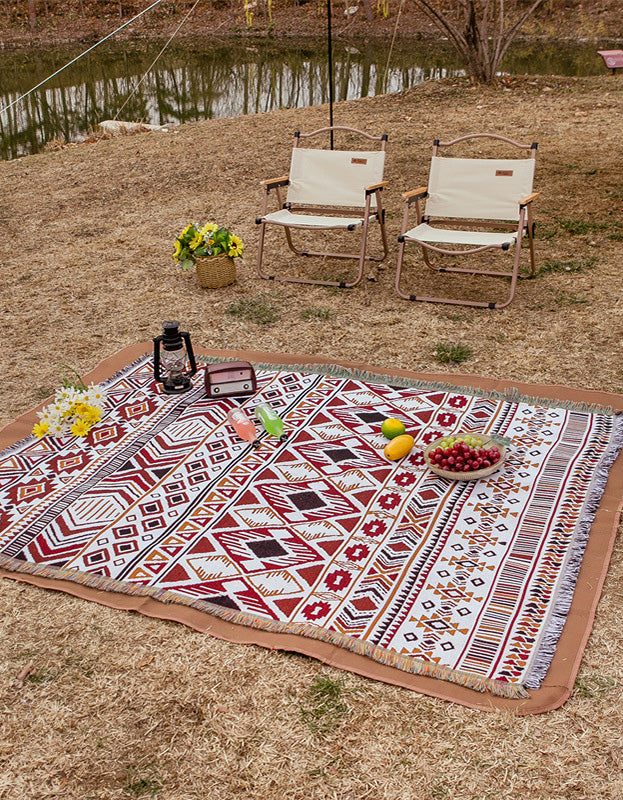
(560, 678)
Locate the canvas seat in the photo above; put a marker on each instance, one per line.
(463, 196)
(328, 190)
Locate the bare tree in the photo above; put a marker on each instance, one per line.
(481, 30)
(32, 15)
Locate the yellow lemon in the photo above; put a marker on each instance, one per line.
(392, 427)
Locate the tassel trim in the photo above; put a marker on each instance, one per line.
(378, 654)
(510, 395)
(564, 596)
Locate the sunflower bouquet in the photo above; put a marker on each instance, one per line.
(76, 408)
(209, 240)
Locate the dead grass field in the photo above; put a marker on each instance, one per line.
(121, 706)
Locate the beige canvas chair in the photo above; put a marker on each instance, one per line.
(472, 205)
(328, 190)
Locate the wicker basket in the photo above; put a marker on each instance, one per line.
(215, 271)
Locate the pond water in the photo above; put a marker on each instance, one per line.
(194, 81)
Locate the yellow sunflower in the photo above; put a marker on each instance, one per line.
(235, 247)
(196, 241)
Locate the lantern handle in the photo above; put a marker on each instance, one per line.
(157, 340)
(189, 349)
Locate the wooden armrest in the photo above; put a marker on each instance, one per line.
(529, 198)
(416, 194)
(273, 183)
(377, 187)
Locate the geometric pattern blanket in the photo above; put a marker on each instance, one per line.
(321, 536)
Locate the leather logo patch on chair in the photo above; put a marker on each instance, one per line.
(359, 161)
(504, 173)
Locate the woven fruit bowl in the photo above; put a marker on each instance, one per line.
(474, 474)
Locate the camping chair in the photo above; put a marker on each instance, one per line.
(328, 190)
(494, 194)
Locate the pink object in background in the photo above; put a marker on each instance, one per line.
(613, 59)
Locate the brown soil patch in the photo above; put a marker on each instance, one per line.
(118, 705)
(64, 21)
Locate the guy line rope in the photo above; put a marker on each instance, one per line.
(97, 44)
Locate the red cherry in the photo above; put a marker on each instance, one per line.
(486, 463)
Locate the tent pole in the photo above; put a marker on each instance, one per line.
(330, 53)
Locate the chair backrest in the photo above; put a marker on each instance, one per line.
(478, 188)
(333, 177)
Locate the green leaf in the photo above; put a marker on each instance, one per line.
(187, 263)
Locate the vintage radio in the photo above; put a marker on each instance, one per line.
(230, 379)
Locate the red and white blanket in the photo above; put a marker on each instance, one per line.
(322, 536)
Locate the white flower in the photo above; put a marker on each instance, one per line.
(62, 407)
(95, 396)
(68, 394)
(58, 428)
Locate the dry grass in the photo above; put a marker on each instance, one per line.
(122, 706)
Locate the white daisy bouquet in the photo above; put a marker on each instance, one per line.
(76, 408)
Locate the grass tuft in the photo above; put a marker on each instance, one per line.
(580, 227)
(593, 686)
(569, 299)
(324, 704)
(555, 266)
(448, 353)
(314, 312)
(142, 782)
(261, 310)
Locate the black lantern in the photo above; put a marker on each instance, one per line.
(176, 350)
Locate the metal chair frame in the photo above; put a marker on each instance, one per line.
(366, 211)
(524, 227)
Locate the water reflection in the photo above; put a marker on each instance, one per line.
(194, 82)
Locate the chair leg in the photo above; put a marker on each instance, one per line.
(360, 256)
(445, 300)
(380, 216)
(260, 252)
(401, 253)
(530, 228)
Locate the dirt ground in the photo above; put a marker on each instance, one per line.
(81, 21)
(122, 706)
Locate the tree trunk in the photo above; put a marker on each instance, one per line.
(32, 16)
(367, 8)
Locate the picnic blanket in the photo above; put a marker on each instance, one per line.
(320, 544)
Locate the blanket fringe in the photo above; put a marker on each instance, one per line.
(510, 395)
(388, 658)
(545, 652)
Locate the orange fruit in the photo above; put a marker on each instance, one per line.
(399, 447)
(392, 427)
